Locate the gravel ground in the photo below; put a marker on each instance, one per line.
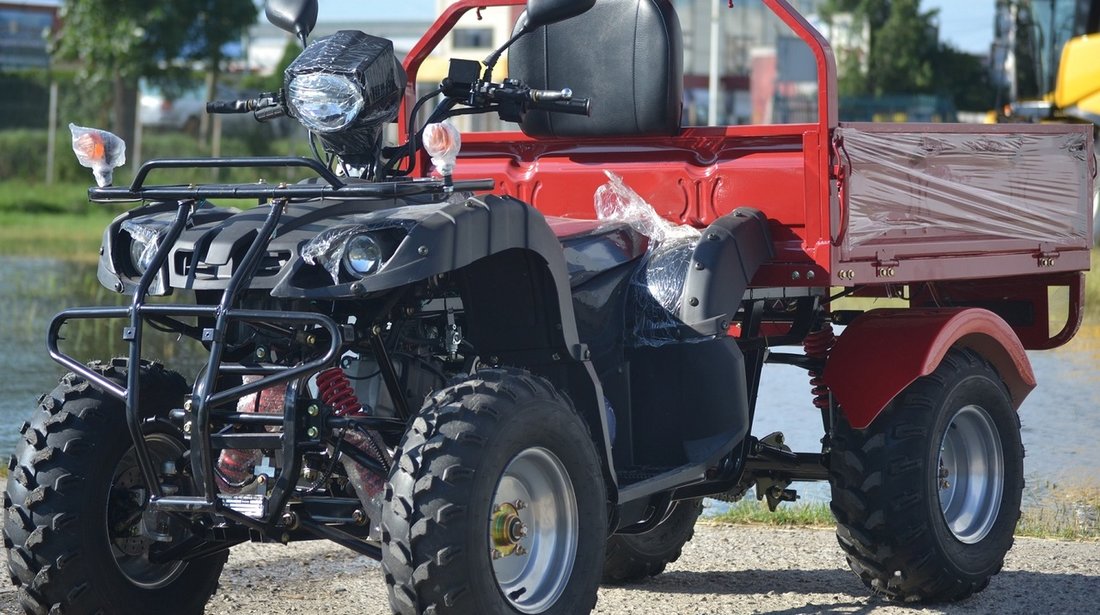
(724, 570)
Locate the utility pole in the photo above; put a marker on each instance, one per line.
(713, 91)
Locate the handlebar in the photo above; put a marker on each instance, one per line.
(553, 101)
(264, 107)
(576, 106)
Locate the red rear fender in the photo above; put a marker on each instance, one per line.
(885, 350)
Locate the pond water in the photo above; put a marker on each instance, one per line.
(1061, 426)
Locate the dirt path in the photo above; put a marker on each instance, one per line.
(724, 570)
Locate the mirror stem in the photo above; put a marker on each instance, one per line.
(492, 58)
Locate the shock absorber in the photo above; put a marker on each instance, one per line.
(817, 345)
(335, 390)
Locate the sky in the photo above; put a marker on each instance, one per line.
(966, 24)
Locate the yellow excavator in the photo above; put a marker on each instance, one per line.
(1055, 51)
(1071, 82)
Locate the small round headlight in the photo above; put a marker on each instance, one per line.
(362, 255)
(325, 102)
(141, 254)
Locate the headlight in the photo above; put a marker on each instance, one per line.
(355, 250)
(144, 241)
(362, 255)
(325, 102)
(145, 238)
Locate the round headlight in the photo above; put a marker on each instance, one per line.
(325, 102)
(362, 255)
(141, 254)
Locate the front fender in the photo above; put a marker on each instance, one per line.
(885, 350)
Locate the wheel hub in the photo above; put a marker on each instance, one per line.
(507, 529)
(971, 474)
(533, 530)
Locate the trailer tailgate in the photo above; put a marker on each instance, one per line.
(926, 202)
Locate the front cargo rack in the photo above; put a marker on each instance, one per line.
(329, 186)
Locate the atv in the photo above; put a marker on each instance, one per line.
(469, 375)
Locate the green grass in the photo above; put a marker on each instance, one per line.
(1073, 515)
(74, 236)
(752, 512)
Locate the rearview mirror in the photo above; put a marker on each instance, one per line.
(295, 16)
(544, 12)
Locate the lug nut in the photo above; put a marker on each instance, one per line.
(520, 550)
(495, 554)
(520, 504)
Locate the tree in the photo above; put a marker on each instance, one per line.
(902, 47)
(214, 23)
(117, 42)
(906, 57)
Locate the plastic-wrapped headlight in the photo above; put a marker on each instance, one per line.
(144, 240)
(362, 255)
(325, 102)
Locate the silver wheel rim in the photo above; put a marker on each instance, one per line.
(131, 553)
(971, 474)
(533, 530)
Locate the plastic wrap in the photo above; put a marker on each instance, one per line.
(442, 142)
(657, 287)
(147, 237)
(905, 184)
(100, 151)
(327, 248)
(370, 65)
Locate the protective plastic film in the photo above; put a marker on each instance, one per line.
(905, 185)
(657, 287)
(100, 151)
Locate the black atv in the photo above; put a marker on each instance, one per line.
(489, 401)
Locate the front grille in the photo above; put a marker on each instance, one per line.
(184, 265)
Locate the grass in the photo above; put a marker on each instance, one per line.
(752, 512)
(73, 237)
(1074, 515)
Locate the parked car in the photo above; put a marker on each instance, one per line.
(160, 110)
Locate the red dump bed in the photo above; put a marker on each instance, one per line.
(848, 204)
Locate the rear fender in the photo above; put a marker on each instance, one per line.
(883, 351)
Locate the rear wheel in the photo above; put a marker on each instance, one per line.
(496, 503)
(635, 557)
(75, 527)
(928, 496)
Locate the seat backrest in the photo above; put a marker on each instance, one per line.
(624, 55)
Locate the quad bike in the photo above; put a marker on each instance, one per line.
(505, 400)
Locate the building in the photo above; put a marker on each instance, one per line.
(25, 28)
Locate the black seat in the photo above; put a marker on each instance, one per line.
(625, 55)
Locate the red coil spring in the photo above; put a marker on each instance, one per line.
(335, 390)
(817, 346)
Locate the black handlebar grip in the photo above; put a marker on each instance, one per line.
(269, 113)
(576, 106)
(228, 106)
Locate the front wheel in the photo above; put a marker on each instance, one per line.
(75, 527)
(928, 496)
(495, 503)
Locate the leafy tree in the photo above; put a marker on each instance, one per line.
(213, 24)
(902, 47)
(116, 42)
(906, 57)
